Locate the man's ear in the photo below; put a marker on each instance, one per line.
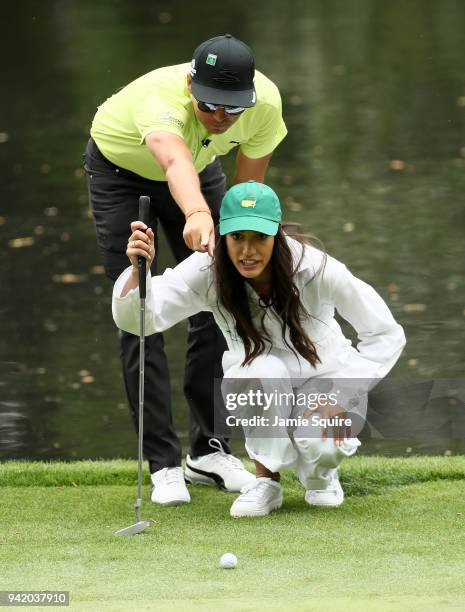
(189, 82)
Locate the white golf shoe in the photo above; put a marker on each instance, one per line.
(331, 497)
(219, 468)
(258, 498)
(169, 488)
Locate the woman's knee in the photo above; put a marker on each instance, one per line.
(311, 447)
(325, 451)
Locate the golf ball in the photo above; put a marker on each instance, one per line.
(228, 561)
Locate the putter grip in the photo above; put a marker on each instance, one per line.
(144, 209)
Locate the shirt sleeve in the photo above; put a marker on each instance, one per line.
(172, 297)
(269, 134)
(157, 114)
(381, 338)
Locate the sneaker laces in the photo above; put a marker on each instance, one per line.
(229, 461)
(173, 475)
(254, 486)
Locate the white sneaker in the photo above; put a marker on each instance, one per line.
(330, 497)
(258, 498)
(169, 488)
(220, 468)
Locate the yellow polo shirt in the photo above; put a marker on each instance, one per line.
(160, 101)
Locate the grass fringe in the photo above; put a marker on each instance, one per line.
(359, 475)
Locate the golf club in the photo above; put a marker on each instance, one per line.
(140, 525)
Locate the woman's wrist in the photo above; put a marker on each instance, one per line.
(131, 283)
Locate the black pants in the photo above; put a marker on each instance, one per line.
(114, 199)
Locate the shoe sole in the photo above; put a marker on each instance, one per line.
(173, 502)
(318, 505)
(325, 505)
(275, 506)
(328, 505)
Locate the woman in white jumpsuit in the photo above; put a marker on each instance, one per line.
(257, 278)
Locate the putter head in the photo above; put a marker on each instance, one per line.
(132, 529)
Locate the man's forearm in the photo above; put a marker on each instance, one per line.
(175, 160)
(184, 186)
(250, 169)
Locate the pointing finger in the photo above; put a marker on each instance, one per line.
(211, 244)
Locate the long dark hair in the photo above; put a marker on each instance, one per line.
(285, 298)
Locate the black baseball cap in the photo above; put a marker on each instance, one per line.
(222, 71)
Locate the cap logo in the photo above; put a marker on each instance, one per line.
(248, 203)
(211, 59)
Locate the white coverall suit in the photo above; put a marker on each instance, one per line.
(325, 285)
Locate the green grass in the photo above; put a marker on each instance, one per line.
(397, 543)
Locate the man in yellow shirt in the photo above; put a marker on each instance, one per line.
(161, 136)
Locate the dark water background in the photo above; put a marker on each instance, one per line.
(374, 100)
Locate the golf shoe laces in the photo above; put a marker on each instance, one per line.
(229, 461)
(174, 475)
(251, 490)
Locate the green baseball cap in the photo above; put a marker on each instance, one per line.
(250, 206)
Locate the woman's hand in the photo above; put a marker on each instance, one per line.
(140, 243)
(341, 431)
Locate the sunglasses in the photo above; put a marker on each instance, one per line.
(206, 107)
